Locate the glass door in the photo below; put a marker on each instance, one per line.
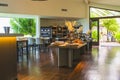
(94, 25)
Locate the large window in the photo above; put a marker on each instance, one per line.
(5, 22)
(26, 26)
(108, 25)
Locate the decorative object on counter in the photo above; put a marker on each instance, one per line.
(87, 36)
(71, 36)
(7, 29)
(88, 32)
(70, 25)
(80, 30)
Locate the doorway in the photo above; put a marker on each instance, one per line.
(104, 25)
(94, 23)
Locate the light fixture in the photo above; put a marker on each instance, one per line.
(3, 4)
(39, 0)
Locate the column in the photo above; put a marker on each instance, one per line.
(37, 30)
(37, 27)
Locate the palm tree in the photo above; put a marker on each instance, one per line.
(25, 26)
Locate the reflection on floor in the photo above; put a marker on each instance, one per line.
(102, 63)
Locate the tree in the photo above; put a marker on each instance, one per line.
(110, 24)
(94, 35)
(25, 26)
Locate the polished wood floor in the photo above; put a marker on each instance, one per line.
(101, 63)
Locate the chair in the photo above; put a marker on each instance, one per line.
(22, 46)
(44, 43)
(31, 44)
(34, 43)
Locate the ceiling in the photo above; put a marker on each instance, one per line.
(106, 2)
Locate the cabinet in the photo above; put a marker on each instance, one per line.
(46, 32)
(59, 32)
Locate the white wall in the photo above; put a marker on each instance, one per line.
(85, 24)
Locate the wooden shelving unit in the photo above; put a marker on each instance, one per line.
(59, 32)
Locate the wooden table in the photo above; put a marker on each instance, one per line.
(65, 53)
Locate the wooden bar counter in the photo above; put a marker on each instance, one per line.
(65, 53)
(8, 56)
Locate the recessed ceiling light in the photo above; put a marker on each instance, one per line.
(39, 0)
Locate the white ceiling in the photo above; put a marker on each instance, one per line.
(106, 2)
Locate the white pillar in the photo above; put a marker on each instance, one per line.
(37, 30)
(37, 27)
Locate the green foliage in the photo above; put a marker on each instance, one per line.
(110, 24)
(94, 35)
(117, 36)
(94, 24)
(23, 25)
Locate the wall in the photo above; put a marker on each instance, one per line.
(85, 24)
(61, 22)
(52, 22)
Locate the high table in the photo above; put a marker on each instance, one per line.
(65, 53)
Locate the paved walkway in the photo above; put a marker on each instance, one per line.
(109, 44)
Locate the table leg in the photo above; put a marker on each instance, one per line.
(70, 57)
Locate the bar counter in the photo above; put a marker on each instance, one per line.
(8, 56)
(65, 53)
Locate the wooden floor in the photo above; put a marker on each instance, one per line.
(101, 63)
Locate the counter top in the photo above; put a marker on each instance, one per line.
(10, 35)
(68, 46)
